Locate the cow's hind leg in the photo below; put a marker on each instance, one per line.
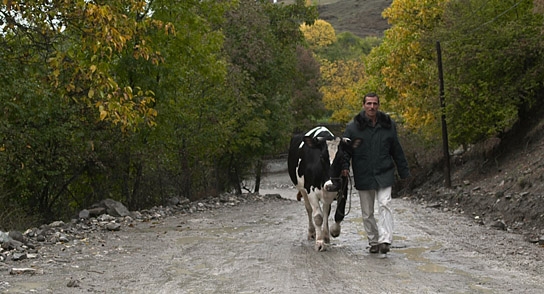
(311, 227)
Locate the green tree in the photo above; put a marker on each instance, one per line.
(77, 100)
(307, 105)
(191, 126)
(57, 88)
(261, 55)
(493, 66)
(348, 47)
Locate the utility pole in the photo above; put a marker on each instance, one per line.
(445, 148)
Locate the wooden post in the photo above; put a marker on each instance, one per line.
(447, 177)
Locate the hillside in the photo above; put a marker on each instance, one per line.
(361, 17)
(498, 183)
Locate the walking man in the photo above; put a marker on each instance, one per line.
(374, 164)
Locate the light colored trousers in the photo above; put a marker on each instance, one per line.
(381, 231)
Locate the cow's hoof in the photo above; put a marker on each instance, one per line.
(320, 246)
(335, 230)
(311, 236)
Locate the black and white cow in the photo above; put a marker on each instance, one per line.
(315, 166)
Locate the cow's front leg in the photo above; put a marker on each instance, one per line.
(311, 227)
(317, 217)
(327, 199)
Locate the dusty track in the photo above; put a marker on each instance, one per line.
(261, 247)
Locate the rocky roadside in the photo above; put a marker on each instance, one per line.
(90, 227)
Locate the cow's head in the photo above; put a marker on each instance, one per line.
(343, 145)
(317, 140)
(321, 156)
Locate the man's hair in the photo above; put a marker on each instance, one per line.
(371, 94)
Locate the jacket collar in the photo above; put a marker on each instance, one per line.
(362, 121)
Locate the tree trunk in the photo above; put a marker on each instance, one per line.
(258, 173)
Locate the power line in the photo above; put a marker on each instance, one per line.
(497, 17)
(484, 24)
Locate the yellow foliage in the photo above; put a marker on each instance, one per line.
(342, 79)
(320, 34)
(405, 64)
(106, 32)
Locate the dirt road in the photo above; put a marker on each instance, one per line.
(261, 247)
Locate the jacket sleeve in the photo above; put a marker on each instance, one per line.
(348, 152)
(398, 156)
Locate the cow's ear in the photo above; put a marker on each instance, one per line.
(308, 141)
(321, 139)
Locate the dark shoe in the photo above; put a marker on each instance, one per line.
(384, 248)
(374, 249)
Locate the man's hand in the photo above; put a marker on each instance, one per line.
(345, 172)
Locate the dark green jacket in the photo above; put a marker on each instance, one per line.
(374, 160)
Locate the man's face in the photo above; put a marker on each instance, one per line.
(371, 106)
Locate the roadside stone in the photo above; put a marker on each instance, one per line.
(96, 211)
(63, 238)
(25, 270)
(499, 225)
(173, 201)
(113, 227)
(16, 235)
(84, 214)
(105, 218)
(434, 205)
(73, 283)
(18, 256)
(11, 244)
(56, 224)
(114, 208)
(4, 237)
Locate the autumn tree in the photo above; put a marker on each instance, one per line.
(341, 68)
(318, 34)
(341, 82)
(403, 68)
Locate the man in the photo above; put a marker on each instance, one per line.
(374, 167)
